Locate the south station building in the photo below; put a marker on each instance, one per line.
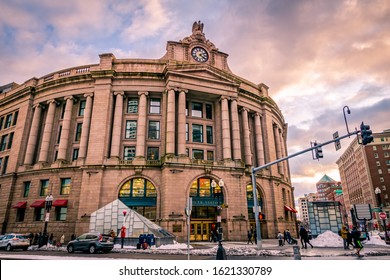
(148, 134)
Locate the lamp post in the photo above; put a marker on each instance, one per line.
(221, 253)
(48, 205)
(378, 195)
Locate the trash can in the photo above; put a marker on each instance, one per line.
(141, 238)
(139, 246)
(150, 239)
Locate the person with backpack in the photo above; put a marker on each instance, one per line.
(356, 240)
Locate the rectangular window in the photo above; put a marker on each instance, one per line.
(16, 114)
(44, 188)
(129, 153)
(55, 155)
(187, 132)
(79, 127)
(379, 171)
(20, 214)
(5, 164)
(8, 121)
(65, 186)
(196, 110)
(210, 155)
(155, 105)
(209, 132)
(153, 153)
(197, 133)
(132, 105)
(131, 130)
(154, 130)
(386, 155)
(197, 154)
(82, 107)
(63, 111)
(39, 213)
(75, 154)
(209, 111)
(11, 138)
(59, 134)
(1, 123)
(3, 142)
(26, 188)
(61, 213)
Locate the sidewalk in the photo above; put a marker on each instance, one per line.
(271, 247)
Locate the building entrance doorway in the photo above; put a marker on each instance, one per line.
(201, 230)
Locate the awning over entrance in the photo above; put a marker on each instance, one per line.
(60, 203)
(38, 204)
(288, 208)
(21, 204)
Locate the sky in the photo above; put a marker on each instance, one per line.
(316, 57)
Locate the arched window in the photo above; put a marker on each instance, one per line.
(249, 197)
(140, 195)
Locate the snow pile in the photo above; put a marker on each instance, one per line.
(375, 240)
(327, 239)
(175, 245)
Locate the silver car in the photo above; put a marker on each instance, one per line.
(12, 241)
(91, 242)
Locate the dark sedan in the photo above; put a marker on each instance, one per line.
(91, 242)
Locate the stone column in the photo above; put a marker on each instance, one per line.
(284, 153)
(117, 126)
(247, 143)
(278, 148)
(33, 137)
(181, 127)
(141, 125)
(44, 152)
(64, 140)
(170, 137)
(227, 153)
(86, 125)
(235, 131)
(259, 140)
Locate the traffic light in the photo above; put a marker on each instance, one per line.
(318, 151)
(366, 134)
(261, 216)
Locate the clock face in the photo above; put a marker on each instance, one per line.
(200, 54)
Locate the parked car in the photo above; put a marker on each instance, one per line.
(12, 241)
(91, 242)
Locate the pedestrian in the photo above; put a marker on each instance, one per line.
(255, 236)
(344, 236)
(62, 239)
(280, 238)
(285, 237)
(112, 233)
(304, 237)
(356, 239)
(249, 237)
(30, 238)
(288, 236)
(350, 239)
(73, 237)
(51, 239)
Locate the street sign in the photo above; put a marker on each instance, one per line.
(382, 215)
(363, 211)
(337, 143)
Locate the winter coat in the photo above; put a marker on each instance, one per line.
(344, 233)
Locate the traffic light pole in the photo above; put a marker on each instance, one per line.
(256, 169)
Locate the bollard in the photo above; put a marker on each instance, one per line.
(297, 253)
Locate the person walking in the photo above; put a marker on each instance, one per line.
(255, 236)
(249, 237)
(62, 240)
(356, 240)
(280, 238)
(304, 238)
(51, 239)
(344, 236)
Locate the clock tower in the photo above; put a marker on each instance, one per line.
(197, 49)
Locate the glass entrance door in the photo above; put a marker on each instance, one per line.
(200, 230)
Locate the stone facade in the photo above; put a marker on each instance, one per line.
(84, 133)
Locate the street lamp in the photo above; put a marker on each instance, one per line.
(48, 205)
(221, 253)
(378, 195)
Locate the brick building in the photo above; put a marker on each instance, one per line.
(151, 133)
